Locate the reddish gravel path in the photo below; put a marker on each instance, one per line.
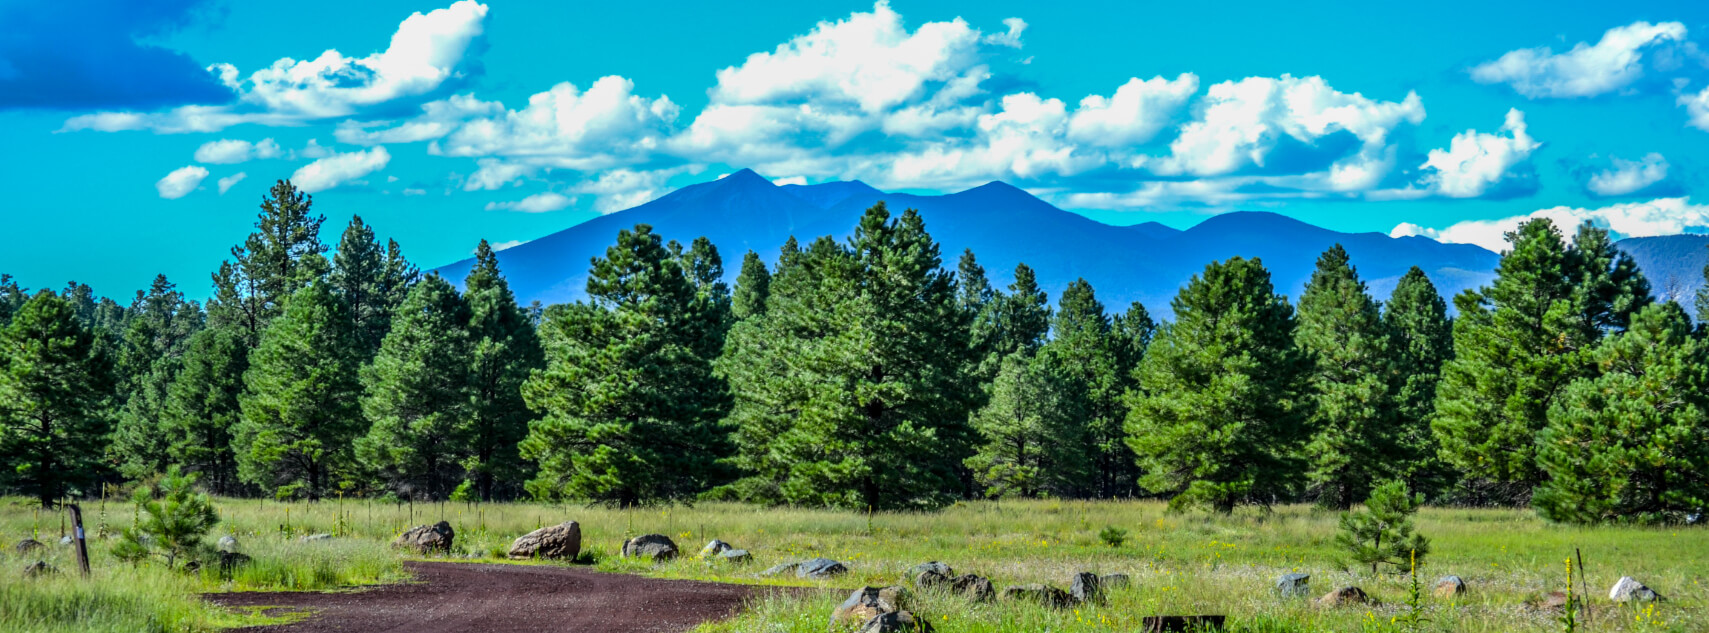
(486, 598)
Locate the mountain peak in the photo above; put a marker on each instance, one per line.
(746, 175)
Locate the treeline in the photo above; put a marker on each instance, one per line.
(862, 374)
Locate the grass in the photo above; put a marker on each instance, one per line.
(1180, 563)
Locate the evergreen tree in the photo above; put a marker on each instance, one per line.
(172, 521)
(1353, 441)
(1702, 301)
(12, 297)
(372, 281)
(505, 350)
(1522, 340)
(1133, 332)
(850, 389)
(979, 302)
(630, 404)
(1033, 439)
(1022, 316)
(301, 402)
(1633, 442)
(1383, 531)
(753, 285)
(1221, 408)
(418, 395)
(160, 325)
(279, 258)
(56, 386)
(1417, 317)
(1081, 336)
(202, 406)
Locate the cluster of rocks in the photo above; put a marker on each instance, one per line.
(721, 551)
(1084, 589)
(880, 610)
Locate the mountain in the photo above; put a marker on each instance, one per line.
(1002, 224)
(1673, 264)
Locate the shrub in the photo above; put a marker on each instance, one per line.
(1382, 532)
(174, 519)
(1113, 536)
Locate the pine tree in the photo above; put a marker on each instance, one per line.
(753, 285)
(418, 395)
(361, 276)
(1081, 336)
(1353, 441)
(1417, 318)
(1022, 316)
(160, 324)
(506, 349)
(1034, 442)
(850, 389)
(301, 401)
(1632, 443)
(56, 387)
(630, 404)
(280, 257)
(12, 297)
(1383, 531)
(1220, 412)
(202, 406)
(1702, 301)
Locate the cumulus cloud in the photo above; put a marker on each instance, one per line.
(1135, 114)
(1662, 216)
(181, 182)
(621, 189)
(231, 151)
(1697, 106)
(1628, 176)
(339, 169)
(537, 203)
(437, 119)
(1614, 63)
(426, 55)
(604, 127)
(227, 182)
(1476, 163)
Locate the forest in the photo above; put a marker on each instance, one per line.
(867, 373)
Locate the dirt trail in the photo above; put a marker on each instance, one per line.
(486, 598)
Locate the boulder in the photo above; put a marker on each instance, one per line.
(975, 588)
(781, 568)
(736, 556)
(39, 568)
(1087, 589)
(820, 568)
(427, 539)
(1630, 590)
(1294, 586)
(654, 546)
(1343, 597)
(227, 543)
(312, 538)
(1182, 623)
(869, 602)
(714, 548)
(1045, 595)
(1115, 581)
(26, 546)
(931, 579)
(936, 566)
(897, 622)
(1450, 587)
(562, 542)
(65, 540)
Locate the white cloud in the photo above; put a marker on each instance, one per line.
(181, 182)
(1628, 176)
(1662, 216)
(621, 189)
(1613, 63)
(1697, 106)
(313, 149)
(537, 203)
(499, 246)
(227, 182)
(437, 119)
(494, 174)
(339, 169)
(792, 180)
(230, 151)
(1475, 162)
(1134, 114)
(604, 127)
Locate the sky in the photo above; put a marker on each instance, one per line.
(139, 138)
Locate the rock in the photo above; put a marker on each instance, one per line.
(1449, 587)
(869, 602)
(65, 540)
(314, 537)
(562, 541)
(1087, 589)
(783, 568)
(1343, 597)
(1629, 590)
(1294, 585)
(1182, 623)
(39, 568)
(426, 539)
(931, 578)
(938, 567)
(230, 561)
(898, 622)
(655, 546)
(26, 546)
(1045, 595)
(736, 556)
(820, 568)
(1115, 581)
(714, 548)
(227, 543)
(975, 588)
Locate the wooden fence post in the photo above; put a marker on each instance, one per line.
(77, 538)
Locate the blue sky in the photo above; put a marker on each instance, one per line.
(139, 137)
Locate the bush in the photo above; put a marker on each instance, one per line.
(1382, 532)
(174, 519)
(1113, 536)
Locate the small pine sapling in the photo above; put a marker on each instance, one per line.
(1383, 531)
(173, 520)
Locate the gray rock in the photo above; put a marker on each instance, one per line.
(38, 569)
(1115, 581)
(942, 568)
(931, 578)
(820, 568)
(736, 556)
(1182, 623)
(1630, 590)
(714, 548)
(227, 543)
(427, 539)
(560, 542)
(975, 588)
(26, 546)
(898, 622)
(1344, 596)
(312, 538)
(1294, 586)
(783, 568)
(1045, 595)
(1449, 587)
(66, 540)
(1087, 589)
(655, 546)
(869, 602)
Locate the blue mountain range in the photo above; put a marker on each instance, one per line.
(1003, 226)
